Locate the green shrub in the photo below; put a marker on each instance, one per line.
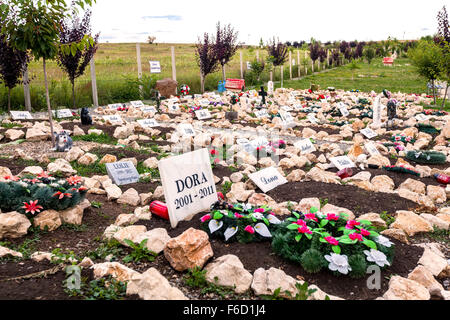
(312, 261)
(358, 264)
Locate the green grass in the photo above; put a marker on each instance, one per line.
(89, 170)
(99, 138)
(400, 77)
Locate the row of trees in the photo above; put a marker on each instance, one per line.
(431, 56)
(44, 29)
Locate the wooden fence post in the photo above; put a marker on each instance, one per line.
(242, 68)
(174, 66)
(26, 90)
(290, 65)
(139, 65)
(94, 84)
(298, 63)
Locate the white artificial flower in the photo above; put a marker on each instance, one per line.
(51, 178)
(384, 241)
(258, 215)
(338, 263)
(23, 184)
(376, 256)
(54, 185)
(62, 181)
(41, 185)
(246, 207)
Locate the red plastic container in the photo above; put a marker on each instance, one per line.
(442, 178)
(160, 209)
(345, 173)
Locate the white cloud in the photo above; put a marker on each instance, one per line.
(290, 20)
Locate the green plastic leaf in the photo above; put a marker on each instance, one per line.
(336, 249)
(370, 244)
(298, 238)
(293, 226)
(323, 223)
(218, 215)
(313, 209)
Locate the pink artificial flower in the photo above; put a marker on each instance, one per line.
(311, 216)
(301, 223)
(332, 241)
(249, 229)
(206, 218)
(304, 230)
(355, 236)
(259, 210)
(351, 224)
(239, 216)
(365, 233)
(332, 216)
(216, 160)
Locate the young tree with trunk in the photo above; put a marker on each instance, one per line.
(225, 46)
(13, 64)
(278, 53)
(206, 58)
(74, 65)
(369, 54)
(427, 58)
(314, 53)
(443, 41)
(34, 25)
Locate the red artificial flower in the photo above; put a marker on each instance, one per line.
(259, 210)
(32, 207)
(311, 216)
(332, 216)
(304, 230)
(249, 229)
(43, 174)
(33, 181)
(238, 216)
(351, 224)
(62, 195)
(74, 180)
(365, 233)
(331, 241)
(301, 223)
(355, 236)
(12, 178)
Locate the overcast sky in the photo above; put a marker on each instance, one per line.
(177, 21)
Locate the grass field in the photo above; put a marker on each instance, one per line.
(116, 70)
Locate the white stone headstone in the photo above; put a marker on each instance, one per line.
(261, 113)
(122, 173)
(137, 104)
(342, 162)
(114, 119)
(377, 112)
(63, 113)
(371, 149)
(369, 133)
(305, 146)
(268, 179)
(148, 123)
(203, 114)
(149, 109)
(270, 87)
(21, 115)
(188, 184)
(186, 129)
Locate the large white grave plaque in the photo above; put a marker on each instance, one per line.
(188, 184)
